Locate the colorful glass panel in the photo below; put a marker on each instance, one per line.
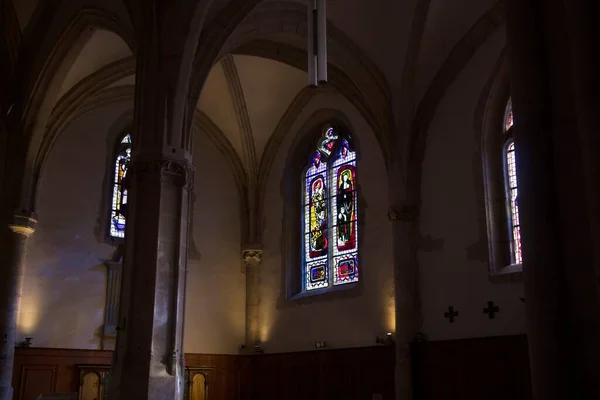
(119, 196)
(513, 203)
(330, 210)
(508, 116)
(345, 269)
(328, 141)
(344, 207)
(316, 206)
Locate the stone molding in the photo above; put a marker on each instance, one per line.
(241, 112)
(11, 33)
(63, 32)
(23, 225)
(177, 172)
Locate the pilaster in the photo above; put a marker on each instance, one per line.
(13, 268)
(404, 219)
(252, 258)
(111, 311)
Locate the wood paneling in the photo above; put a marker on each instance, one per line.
(64, 364)
(495, 368)
(486, 368)
(37, 379)
(327, 374)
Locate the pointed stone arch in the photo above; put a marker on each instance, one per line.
(233, 34)
(58, 50)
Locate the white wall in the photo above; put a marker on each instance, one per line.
(452, 213)
(65, 280)
(215, 300)
(289, 326)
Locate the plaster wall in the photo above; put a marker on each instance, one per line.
(215, 293)
(65, 283)
(350, 322)
(454, 263)
(65, 280)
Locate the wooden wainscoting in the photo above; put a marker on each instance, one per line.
(39, 370)
(347, 374)
(494, 368)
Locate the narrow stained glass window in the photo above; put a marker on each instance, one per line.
(510, 178)
(508, 116)
(119, 193)
(330, 213)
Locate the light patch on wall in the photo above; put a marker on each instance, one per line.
(390, 317)
(29, 315)
(266, 324)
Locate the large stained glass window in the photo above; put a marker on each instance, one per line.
(118, 213)
(330, 213)
(510, 182)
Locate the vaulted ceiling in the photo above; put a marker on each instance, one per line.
(246, 95)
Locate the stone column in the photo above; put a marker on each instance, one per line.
(111, 309)
(148, 361)
(583, 273)
(404, 218)
(554, 227)
(252, 258)
(13, 263)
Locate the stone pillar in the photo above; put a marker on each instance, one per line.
(561, 297)
(252, 258)
(13, 262)
(406, 289)
(403, 215)
(540, 238)
(111, 309)
(583, 273)
(149, 358)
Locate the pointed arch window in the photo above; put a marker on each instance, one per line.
(511, 187)
(118, 214)
(330, 226)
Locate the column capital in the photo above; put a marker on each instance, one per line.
(252, 255)
(176, 171)
(23, 224)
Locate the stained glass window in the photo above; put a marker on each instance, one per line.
(118, 213)
(510, 179)
(330, 213)
(508, 116)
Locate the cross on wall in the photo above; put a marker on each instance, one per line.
(491, 309)
(450, 314)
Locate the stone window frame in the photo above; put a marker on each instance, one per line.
(494, 140)
(292, 194)
(122, 126)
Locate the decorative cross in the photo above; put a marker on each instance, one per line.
(451, 314)
(491, 309)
